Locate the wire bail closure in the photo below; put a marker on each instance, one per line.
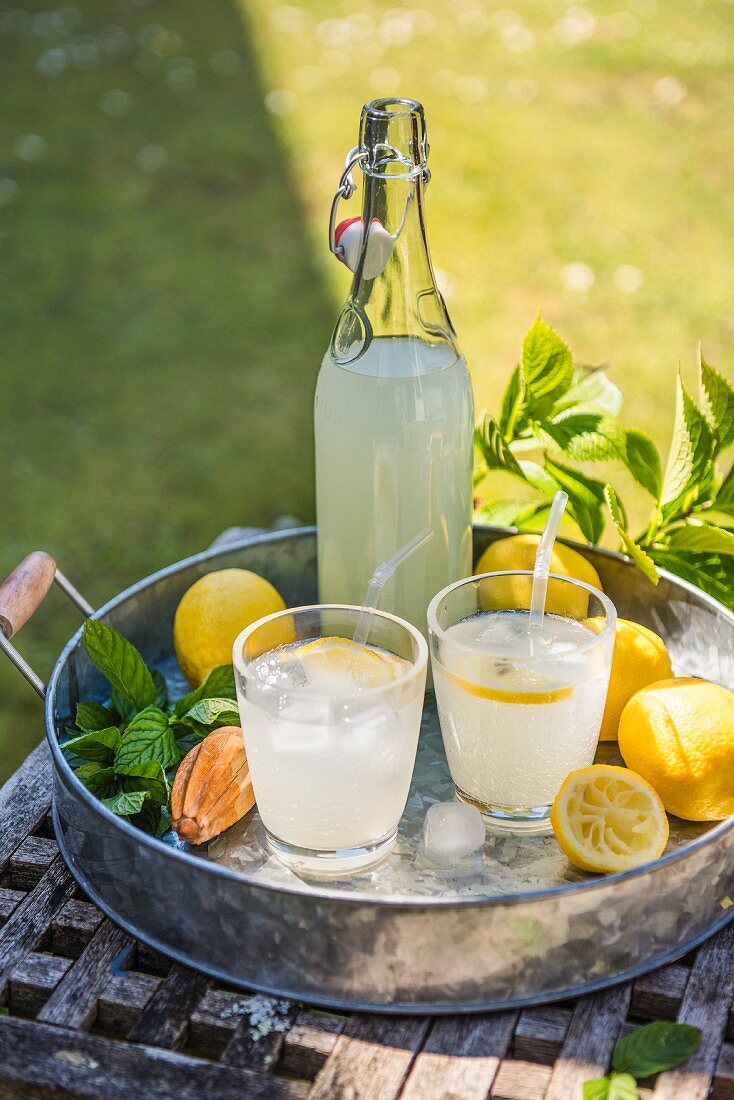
(345, 190)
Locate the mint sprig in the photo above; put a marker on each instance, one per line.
(654, 1048)
(556, 416)
(126, 751)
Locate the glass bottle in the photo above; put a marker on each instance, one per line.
(394, 410)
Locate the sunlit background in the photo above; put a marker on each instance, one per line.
(166, 171)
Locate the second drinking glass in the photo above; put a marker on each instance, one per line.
(520, 707)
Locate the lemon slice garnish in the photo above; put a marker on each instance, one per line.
(342, 657)
(608, 819)
(508, 695)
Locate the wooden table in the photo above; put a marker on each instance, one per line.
(89, 1012)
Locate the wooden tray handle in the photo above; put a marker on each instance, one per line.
(23, 591)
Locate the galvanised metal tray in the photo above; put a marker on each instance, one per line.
(524, 930)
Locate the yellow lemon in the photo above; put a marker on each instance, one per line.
(608, 819)
(679, 734)
(640, 658)
(214, 610)
(349, 663)
(518, 552)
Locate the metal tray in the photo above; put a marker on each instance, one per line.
(527, 929)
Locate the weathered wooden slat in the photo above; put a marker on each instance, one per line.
(518, 1080)
(122, 1000)
(258, 1037)
(310, 1042)
(24, 801)
(37, 1060)
(592, 1034)
(73, 927)
(213, 1023)
(150, 961)
(30, 861)
(540, 1034)
(706, 1005)
(371, 1058)
(73, 1004)
(724, 1080)
(165, 1019)
(25, 929)
(657, 995)
(32, 982)
(9, 899)
(460, 1057)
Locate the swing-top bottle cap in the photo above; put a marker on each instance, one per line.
(392, 134)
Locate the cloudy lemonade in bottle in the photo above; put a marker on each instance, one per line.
(393, 410)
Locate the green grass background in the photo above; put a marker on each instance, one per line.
(165, 289)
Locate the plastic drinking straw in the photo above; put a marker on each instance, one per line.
(541, 568)
(379, 579)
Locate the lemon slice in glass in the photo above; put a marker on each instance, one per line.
(608, 819)
(339, 665)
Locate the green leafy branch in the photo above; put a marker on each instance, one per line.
(567, 414)
(647, 1050)
(127, 751)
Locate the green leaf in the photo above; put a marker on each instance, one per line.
(717, 402)
(147, 737)
(690, 461)
(118, 660)
(585, 498)
(125, 803)
(189, 736)
(149, 818)
(121, 705)
(218, 684)
(642, 459)
(712, 573)
(642, 560)
(724, 500)
(220, 712)
(512, 406)
(584, 436)
(97, 778)
(510, 512)
(546, 369)
(93, 716)
(591, 391)
(494, 449)
(705, 538)
(596, 1089)
(148, 776)
(97, 745)
(161, 688)
(617, 1086)
(655, 1047)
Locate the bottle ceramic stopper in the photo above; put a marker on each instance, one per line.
(348, 245)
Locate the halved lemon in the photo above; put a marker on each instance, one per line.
(349, 662)
(608, 819)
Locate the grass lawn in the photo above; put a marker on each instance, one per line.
(165, 177)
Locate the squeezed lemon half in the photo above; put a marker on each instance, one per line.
(344, 659)
(608, 819)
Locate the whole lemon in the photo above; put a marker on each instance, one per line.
(213, 612)
(679, 735)
(518, 552)
(640, 658)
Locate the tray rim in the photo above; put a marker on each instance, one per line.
(319, 889)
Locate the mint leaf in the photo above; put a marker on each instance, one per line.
(189, 735)
(642, 560)
(642, 459)
(147, 737)
(495, 450)
(97, 745)
(712, 573)
(690, 461)
(97, 778)
(724, 500)
(148, 776)
(125, 803)
(218, 684)
(622, 1086)
(717, 402)
(161, 688)
(584, 436)
(222, 712)
(585, 498)
(511, 413)
(120, 704)
(546, 369)
(510, 512)
(149, 818)
(118, 660)
(655, 1047)
(596, 1089)
(93, 716)
(591, 391)
(703, 537)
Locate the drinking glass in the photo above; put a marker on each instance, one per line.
(330, 758)
(520, 706)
